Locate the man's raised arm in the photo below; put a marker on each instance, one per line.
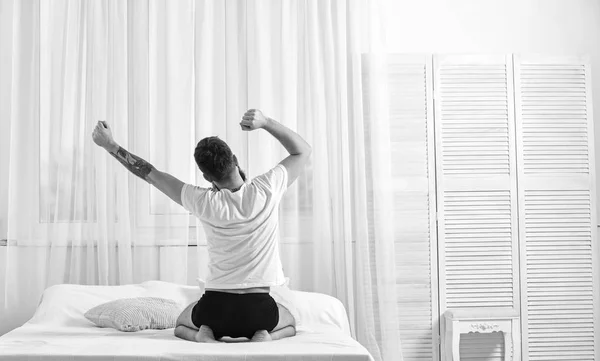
(296, 146)
(164, 182)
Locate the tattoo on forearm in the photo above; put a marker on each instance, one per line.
(135, 164)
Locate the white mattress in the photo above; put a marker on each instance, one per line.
(45, 343)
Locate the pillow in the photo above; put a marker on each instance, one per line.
(320, 312)
(65, 304)
(135, 314)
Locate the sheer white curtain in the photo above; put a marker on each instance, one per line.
(164, 75)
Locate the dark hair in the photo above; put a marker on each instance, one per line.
(215, 158)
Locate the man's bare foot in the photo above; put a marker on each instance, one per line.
(261, 336)
(205, 334)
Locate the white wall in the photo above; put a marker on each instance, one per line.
(553, 27)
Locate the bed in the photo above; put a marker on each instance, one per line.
(58, 330)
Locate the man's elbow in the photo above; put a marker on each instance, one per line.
(307, 150)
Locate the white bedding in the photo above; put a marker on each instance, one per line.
(59, 331)
(35, 342)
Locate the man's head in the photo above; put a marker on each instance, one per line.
(216, 160)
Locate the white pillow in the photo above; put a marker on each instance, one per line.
(65, 304)
(136, 314)
(320, 312)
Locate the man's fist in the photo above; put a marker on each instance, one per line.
(102, 135)
(253, 119)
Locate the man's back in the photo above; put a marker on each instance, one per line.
(242, 230)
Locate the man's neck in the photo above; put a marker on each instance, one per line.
(233, 184)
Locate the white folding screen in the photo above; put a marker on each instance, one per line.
(476, 182)
(411, 132)
(557, 208)
(513, 183)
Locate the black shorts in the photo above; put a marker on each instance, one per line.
(236, 315)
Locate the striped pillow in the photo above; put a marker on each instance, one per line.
(135, 314)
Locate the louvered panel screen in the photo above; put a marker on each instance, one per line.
(559, 288)
(554, 114)
(474, 124)
(410, 117)
(478, 252)
(476, 182)
(557, 208)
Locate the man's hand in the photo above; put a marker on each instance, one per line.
(253, 119)
(102, 136)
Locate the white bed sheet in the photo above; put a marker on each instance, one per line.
(69, 343)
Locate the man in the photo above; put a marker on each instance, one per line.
(241, 222)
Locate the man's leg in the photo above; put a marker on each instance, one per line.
(286, 327)
(186, 329)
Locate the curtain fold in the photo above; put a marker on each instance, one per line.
(166, 74)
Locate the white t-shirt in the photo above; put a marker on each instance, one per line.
(242, 230)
